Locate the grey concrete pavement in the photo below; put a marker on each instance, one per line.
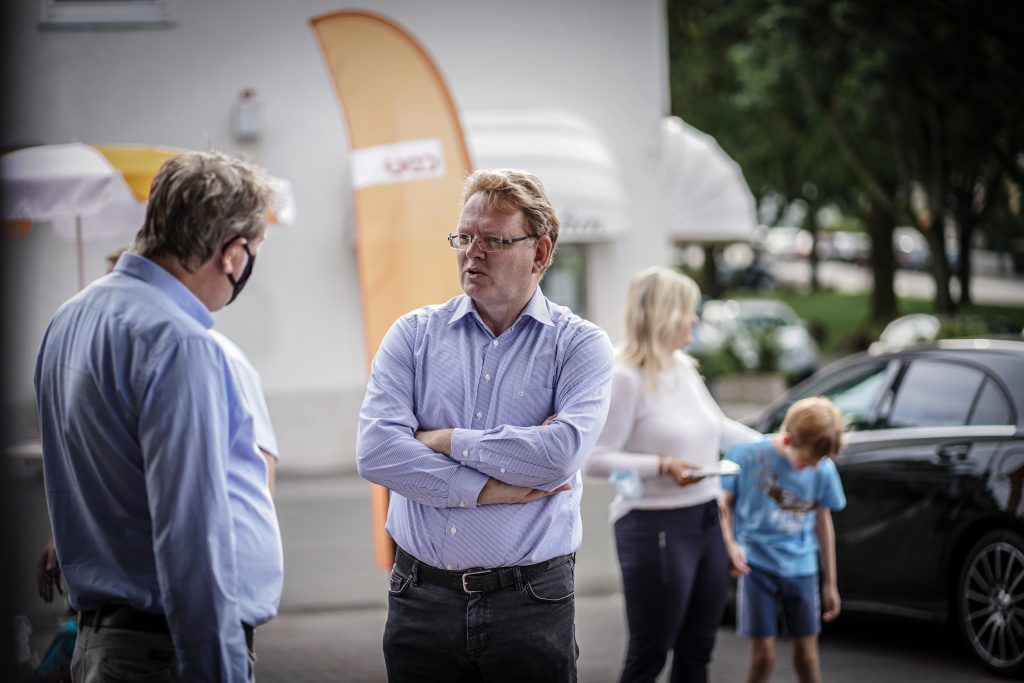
(334, 603)
(334, 606)
(346, 646)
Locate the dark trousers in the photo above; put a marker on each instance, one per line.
(675, 574)
(519, 633)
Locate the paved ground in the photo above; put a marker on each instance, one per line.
(334, 603)
(345, 646)
(334, 607)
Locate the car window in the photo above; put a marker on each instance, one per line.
(992, 408)
(852, 389)
(934, 393)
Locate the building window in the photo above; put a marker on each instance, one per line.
(565, 282)
(90, 13)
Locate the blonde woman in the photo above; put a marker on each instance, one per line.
(662, 426)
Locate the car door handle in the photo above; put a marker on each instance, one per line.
(954, 451)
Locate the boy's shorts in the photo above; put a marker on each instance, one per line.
(763, 597)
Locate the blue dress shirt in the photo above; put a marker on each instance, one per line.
(247, 380)
(157, 494)
(442, 367)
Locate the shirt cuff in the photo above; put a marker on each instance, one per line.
(465, 488)
(466, 447)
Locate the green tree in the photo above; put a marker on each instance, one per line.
(872, 103)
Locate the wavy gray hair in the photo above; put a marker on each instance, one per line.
(200, 200)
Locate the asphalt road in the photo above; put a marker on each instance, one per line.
(988, 285)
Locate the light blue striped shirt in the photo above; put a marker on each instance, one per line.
(157, 494)
(441, 367)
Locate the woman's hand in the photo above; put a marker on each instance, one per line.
(680, 470)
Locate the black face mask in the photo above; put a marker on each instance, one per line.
(239, 284)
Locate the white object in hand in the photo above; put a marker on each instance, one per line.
(722, 468)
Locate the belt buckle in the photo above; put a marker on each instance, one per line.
(465, 588)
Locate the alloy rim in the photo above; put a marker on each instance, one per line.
(993, 604)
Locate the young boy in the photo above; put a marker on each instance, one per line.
(780, 504)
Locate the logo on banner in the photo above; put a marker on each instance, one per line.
(397, 162)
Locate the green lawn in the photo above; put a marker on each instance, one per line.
(842, 319)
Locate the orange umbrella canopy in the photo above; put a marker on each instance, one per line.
(138, 165)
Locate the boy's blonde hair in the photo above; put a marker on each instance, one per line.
(817, 424)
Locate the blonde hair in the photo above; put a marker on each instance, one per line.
(659, 300)
(817, 424)
(515, 190)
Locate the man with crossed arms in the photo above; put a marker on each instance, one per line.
(478, 415)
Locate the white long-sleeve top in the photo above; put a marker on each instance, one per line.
(677, 419)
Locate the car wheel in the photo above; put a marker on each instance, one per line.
(990, 600)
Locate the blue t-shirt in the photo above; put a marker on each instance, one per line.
(776, 506)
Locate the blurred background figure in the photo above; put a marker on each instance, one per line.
(666, 430)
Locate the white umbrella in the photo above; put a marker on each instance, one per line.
(705, 197)
(91, 193)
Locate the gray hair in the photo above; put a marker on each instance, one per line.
(200, 200)
(510, 189)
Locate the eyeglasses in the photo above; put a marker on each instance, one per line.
(460, 240)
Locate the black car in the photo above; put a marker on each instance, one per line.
(933, 471)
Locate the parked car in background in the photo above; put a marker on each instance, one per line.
(910, 248)
(846, 246)
(912, 329)
(788, 243)
(752, 328)
(933, 470)
(912, 251)
(751, 276)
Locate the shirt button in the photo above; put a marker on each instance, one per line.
(465, 452)
(449, 567)
(503, 472)
(487, 378)
(479, 414)
(495, 342)
(453, 531)
(462, 504)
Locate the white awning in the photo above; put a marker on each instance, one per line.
(705, 197)
(569, 156)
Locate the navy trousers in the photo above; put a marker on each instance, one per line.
(520, 633)
(675, 574)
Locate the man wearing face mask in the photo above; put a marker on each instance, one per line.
(163, 524)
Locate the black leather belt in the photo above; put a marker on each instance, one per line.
(126, 617)
(474, 580)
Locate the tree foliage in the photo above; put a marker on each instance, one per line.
(904, 112)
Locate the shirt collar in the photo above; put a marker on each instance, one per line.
(149, 272)
(536, 308)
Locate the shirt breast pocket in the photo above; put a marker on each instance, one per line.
(531, 405)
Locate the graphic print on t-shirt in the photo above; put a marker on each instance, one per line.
(791, 515)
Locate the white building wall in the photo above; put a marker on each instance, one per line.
(299, 318)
